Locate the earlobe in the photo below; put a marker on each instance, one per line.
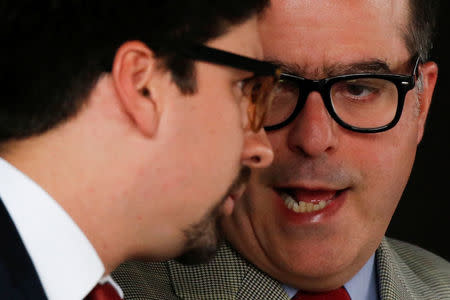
(134, 68)
(429, 73)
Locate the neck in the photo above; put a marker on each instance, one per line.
(75, 174)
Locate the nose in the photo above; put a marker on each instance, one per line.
(313, 131)
(257, 152)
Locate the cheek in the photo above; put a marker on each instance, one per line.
(203, 158)
(279, 142)
(385, 162)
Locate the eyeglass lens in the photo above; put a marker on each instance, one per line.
(362, 102)
(365, 102)
(260, 90)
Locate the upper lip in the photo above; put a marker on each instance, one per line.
(310, 187)
(292, 190)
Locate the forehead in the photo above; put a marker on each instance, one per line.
(316, 34)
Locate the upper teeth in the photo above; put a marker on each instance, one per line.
(301, 206)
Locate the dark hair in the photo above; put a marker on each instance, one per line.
(420, 29)
(54, 51)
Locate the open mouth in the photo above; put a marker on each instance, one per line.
(307, 201)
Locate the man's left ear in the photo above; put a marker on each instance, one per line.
(134, 69)
(429, 73)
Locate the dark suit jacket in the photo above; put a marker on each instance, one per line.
(405, 272)
(18, 277)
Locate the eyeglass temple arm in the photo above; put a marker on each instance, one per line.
(221, 57)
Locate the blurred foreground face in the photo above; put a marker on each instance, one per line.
(208, 142)
(348, 183)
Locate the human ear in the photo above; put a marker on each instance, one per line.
(429, 72)
(134, 68)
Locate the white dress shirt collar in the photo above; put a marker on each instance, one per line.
(66, 262)
(364, 284)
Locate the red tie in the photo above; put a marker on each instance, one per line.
(339, 294)
(103, 292)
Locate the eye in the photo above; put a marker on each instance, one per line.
(284, 101)
(243, 86)
(237, 88)
(358, 89)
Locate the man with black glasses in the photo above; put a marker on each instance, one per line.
(345, 126)
(126, 129)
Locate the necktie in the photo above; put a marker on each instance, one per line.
(339, 294)
(103, 292)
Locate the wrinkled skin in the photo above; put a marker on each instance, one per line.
(363, 175)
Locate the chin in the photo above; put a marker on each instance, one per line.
(202, 240)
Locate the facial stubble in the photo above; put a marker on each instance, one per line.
(203, 237)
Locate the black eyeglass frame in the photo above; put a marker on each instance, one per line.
(225, 58)
(404, 83)
(259, 68)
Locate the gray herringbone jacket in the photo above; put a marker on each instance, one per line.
(404, 272)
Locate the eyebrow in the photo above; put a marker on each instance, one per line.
(374, 66)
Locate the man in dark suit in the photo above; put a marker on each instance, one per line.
(126, 129)
(345, 126)
(18, 279)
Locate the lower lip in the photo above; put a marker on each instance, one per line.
(315, 217)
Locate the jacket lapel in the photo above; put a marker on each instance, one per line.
(390, 286)
(227, 276)
(18, 271)
(396, 278)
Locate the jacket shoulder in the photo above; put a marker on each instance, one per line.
(144, 280)
(412, 270)
(227, 276)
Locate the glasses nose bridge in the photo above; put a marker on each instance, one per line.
(307, 86)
